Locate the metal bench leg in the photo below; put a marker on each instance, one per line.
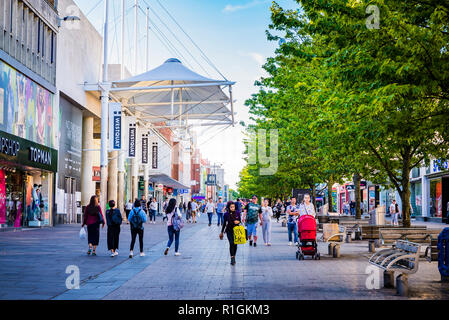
(331, 248)
(402, 285)
(388, 279)
(336, 251)
(371, 246)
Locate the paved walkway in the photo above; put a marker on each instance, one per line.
(32, 266)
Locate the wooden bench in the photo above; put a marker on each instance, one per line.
(402, 258)
(372, 233)
(425, 237)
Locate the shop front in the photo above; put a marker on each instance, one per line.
(27, 177)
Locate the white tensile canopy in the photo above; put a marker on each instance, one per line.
(173, 92)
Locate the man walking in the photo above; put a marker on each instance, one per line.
(220, 207)
(251, 216)
(210, 210)
(292, 213)
(143, 205)
(153, 210)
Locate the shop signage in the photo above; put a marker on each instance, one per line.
(159, 187)
(115, 126)
(96, 175)
(154, 156)
(211, 180)
(132, 140)
(27, 153)
(41, 156)
(9, 146)
(439, 165)
(144, 148)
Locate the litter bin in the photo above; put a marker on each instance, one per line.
(443, 254)
(377, 216)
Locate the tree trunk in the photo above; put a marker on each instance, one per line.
(356, 179)
(314, 195)
(329, 195)
(405, 194)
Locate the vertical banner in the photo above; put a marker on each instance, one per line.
(2, 197)
(144, 148)
(154, 159)
(115, 126)
(132, 137)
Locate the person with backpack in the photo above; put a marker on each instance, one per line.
(137, 218)
(93, 217)
(113, 220)
(252, 213)
(174, 225)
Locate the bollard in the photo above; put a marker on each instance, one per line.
(348, 238)
(331, 248)
(371, 246)
(336, 251)
(358, 235)
(388, 279)
(402, 285)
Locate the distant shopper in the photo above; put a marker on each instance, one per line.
(137, 218)
(172, 232)
(394, 210)
(143, 204)
(194, 211)
(251, 215)
(153, 210)
(267, 214)
(352, 207)
(93, 217)
(279, 208)
(210, 210)
(292, 213)
(128, 208)
(231, 219)
(164, 209)
(221, 206)
(189, 212)
(113, 220)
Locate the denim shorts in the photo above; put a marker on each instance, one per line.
(252, 229)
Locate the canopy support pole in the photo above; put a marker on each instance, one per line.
(172, 100)
(232, 104)
(180, 106)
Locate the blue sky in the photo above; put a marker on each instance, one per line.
(230, 32)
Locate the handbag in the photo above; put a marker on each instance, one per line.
(240, 234)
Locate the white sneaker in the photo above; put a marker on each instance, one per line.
(113, 254)
(116, 253)
(142, 254)
(177, 254)
(131, 254)
(296, 243)
(290, 243)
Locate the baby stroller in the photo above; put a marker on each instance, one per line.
(307, 245)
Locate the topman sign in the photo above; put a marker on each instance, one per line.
(40, 156)
(22, 152)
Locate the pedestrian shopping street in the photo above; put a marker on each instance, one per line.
(33, 265)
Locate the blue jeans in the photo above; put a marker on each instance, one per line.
(209, 215)
(292, 228)
(172, 232)
(153, 215)
(220, 218)
(353, 211)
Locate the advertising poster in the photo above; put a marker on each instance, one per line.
(2, 197)
(115, 126)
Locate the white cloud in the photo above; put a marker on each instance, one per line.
(232, 8)
(257, 57)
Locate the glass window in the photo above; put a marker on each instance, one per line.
(416, 198)
(436, 209)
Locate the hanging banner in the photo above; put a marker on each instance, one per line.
(144, 148)
(154, 151)
(131, 136)
(115, 126)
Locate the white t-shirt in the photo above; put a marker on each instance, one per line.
(194, 206)
(210, 207)
(153, 205)
(267, 213)
(129, 206)
(307, 209)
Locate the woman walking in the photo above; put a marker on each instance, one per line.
(137, 218)
(231, 219)
(172, 233)
(114, 220)
(267, 213)
(189, 211)
(93, 217)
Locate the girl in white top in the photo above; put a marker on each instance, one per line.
(306, 207)
(267, 213)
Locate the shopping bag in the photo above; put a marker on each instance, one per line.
(239, 235)
(199, 214)
(83, 233)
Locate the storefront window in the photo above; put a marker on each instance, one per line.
(436, 209)
(25, 198)
(416, 198)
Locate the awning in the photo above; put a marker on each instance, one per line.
(167, 181)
